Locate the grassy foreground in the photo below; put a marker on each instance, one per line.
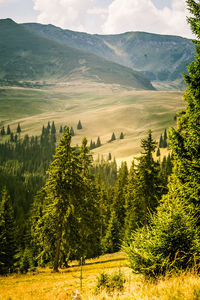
(44, 284)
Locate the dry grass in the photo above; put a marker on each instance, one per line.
(63, 286)
(102, 109)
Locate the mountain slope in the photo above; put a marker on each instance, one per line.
(27, 56)
(159, 57)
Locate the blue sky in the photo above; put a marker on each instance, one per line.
(102, 16)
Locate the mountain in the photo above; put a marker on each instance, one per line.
(27, 56)
(159, 57)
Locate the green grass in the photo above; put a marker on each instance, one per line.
(102, 109)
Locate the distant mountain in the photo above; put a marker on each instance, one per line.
(25, 55)
(158, 57)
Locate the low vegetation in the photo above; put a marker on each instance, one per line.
(44, 284)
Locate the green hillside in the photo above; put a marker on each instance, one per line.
(161, 58)
(26, 56)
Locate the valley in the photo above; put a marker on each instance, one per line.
(102, 109)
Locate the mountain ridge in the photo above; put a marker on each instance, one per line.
(158, 57)
(25, 55)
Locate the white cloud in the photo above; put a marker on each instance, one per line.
(142, 15)
(114, 16)
(82, 15)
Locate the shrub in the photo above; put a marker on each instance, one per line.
(111, 282)
(170, 242)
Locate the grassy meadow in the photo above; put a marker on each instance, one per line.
(44, 284)
(102, 109)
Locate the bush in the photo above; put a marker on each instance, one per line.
(111, 282)
(170, 243)
(26, 262)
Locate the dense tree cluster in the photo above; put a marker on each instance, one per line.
(81, 208)
(171, 241)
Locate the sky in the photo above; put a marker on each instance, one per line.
(102, 16)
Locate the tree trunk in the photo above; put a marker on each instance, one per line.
(57, 254)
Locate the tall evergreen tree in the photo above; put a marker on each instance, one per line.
(61, 129)
(121, 136)
(161, 142)
(53, 128)
(113, 138)
(98, 144)
(115, 232)
(148, 183)
(8, 247)
(68, 226)
(8, 130)
(3, 131)
(72, 131)
(79, 125)
(172, 240)
(19, 128)
(165, 139)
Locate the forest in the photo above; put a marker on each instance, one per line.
(58, 205)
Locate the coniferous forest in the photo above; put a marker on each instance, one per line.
(58, 204)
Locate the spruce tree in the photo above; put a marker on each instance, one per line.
(8, 130)
(161, 142)
(72, 131)
(148, 183)
(8, 247)
(172, 240)
(113, 138)
(19, 128)
(53, 128)
(121, 136)
(98, 144)
(158, 152)
(109, 156)
(79, 125)
(48, 127)
(165, 139)
(61, 129)
(115, 231)
(3, 131)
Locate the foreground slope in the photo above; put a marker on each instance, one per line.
(44, 284)
(26, 56)
(159, 57)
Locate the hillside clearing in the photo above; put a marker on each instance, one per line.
(102, 109)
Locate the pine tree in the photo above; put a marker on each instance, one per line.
(79, 125)
(161, 142)
(8, 130)
(11, 137)
(19, 128)
(98, 144)
(113, 138)
(115, 231)
(158, 152)
(53, 128)
(8, 247)
(3, 131)
(121, 136)
(72, 131)
(68, 226)
(109, 156)
(172, 240)
(165, 139)
(61, 129)
(48, 127)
